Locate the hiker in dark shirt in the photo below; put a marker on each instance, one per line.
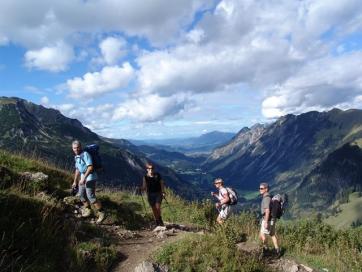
(267, 226)
(154, 187)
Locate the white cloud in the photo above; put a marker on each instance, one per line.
(113, 49)
(320, 85)
(93, 117)
(150, 108)
(44, 100)
(110, 78)
(52, 58)
(37, 23)
(258, 44)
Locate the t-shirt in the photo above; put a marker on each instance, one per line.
(82, 161)
(222, 194)
(265, 203)
(153, 183)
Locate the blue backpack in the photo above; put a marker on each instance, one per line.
(93, 150)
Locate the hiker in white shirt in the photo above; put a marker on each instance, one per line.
(223, 205)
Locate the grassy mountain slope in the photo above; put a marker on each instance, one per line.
(347, 214)
(39, 233)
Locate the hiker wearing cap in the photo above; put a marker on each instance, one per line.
(223, 201)
(154, 187)
(85, 177)
(267, 223)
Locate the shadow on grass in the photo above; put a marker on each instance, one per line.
(32, 235)
(127, 214)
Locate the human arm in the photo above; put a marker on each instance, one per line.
(86, 174)
(266, 217)
(266, 208)
(143, 186)
(76, 178)
(87, 162)
(162, 183)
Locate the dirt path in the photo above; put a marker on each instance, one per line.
(140, 247)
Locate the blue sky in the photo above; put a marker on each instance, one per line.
(164, 69)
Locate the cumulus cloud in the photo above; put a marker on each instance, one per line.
(110, 78)
(288, 53)
(93, 117)
(113, 49)
(263, 46)
(320, 85)
(44, 100)
(150, 107)
(52, 58)
(38, 22)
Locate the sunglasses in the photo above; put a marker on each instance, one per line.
(261, 188)
(149, 168)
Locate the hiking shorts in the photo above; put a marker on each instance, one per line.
(270, 230)
(154, 198)
(224, 212)
(87, 191)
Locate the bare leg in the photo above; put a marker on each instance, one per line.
(275, 241)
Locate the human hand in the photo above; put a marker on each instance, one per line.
(82, 181)
(74, 184)
(218, 205)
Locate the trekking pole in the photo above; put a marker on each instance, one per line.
(168, 205)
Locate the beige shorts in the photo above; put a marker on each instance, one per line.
(225, 212)
(270, 230)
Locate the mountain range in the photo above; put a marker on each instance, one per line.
(202, 144)
(315, 157)
(45, 133)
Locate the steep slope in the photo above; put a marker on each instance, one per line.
(334, 178)
(45, 133)
(294, 154)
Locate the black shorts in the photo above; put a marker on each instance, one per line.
(154, 198)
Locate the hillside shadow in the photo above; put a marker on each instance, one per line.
(127, 214)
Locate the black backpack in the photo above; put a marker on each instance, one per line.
(278, 204)
(93, 150)
(233, 196)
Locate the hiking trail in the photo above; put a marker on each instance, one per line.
(135, 247)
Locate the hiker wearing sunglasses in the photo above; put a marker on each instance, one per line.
(268, 223)
(154, 187)
(223, 204)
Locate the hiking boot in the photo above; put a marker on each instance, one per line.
(160, 222)
(86, 212)
(263, 253)
(101, 216)
(277, 253)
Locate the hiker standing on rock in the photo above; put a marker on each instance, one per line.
(86, 178)
(154, 187)
(267, 223)
(223, 205)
